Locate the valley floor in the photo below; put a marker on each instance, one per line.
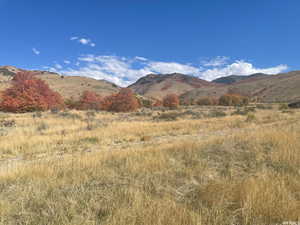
(195, 165)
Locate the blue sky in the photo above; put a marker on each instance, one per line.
(123, 40)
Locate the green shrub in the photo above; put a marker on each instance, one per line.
(264, 106)
(250, 118)
(216, 113)
(283, 106)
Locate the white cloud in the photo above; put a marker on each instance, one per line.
(218, 61)
(173, 67)
(73, 38)
(67, 61)
(124, 71)
(240, 68)
(139, 58)
(51, 69)
(35, 51)
(83, 41)
(58, 66)
(111, 68)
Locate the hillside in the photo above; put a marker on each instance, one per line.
(238, 78)
(283, 87)
(157, 86)
(67, 86)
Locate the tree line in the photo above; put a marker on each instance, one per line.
(29, 94)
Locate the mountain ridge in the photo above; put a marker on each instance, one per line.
(283, 87)
(239, 78)
(159, 85)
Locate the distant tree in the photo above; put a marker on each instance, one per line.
(90, 100)
(107, 102)
(29, 94)
(157, 103)
(71, 103)
(171, 101)
(208, 101)
(185, 101)
(144, 102)
(124, 101)
(233, 100)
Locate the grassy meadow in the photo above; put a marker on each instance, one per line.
(191, 166)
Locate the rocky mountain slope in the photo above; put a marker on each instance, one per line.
(284, 87)
(158, 86)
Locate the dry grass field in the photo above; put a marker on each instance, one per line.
(196, 165)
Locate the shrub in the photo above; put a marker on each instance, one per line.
(124, 101)
(171, 116)
(37, 115)
(217, 113)
(240, 112)
(69, 115)
(288, 111)
(147, 103)
(42, 126)
(7, 123)
(264, 106)
(29, 94)
(283, 106)
(55, 110)
(250, 118)
(171, 101)
(244, 111)
(294, 105)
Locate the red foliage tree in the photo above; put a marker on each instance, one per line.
(124, 101)
(107, 102)
(171, 101)
(157, 103)
(29, 94)
(90, 100)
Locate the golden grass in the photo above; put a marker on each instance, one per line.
(205, 171)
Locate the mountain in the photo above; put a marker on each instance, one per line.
(284, 87)
(238, 78)
(67, 86)
(159, 85)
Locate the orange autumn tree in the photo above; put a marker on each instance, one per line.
(171, 101)
(90, 100)
(208, 101)
(233, 100)
(29, 94)
(124, 101)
